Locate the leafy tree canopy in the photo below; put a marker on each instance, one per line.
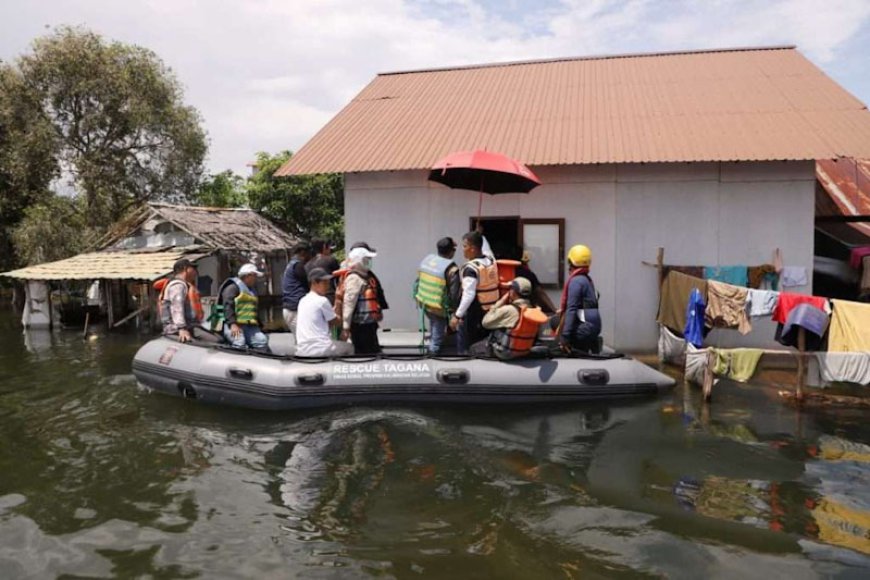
(225, 189)
(307, 206)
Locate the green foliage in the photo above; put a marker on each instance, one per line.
(52, 230)
(306, 206)
(105, 118)
(225, 189)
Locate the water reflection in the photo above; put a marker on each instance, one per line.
(101, 479)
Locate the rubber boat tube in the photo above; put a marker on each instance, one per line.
(221, 375)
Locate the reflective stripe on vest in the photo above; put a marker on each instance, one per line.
(432, 291)
(368, 309)
(246, 303)
(487, 281)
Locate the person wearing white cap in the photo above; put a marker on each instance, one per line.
(362, 302)
(238, 306)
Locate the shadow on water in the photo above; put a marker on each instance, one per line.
(102, 479)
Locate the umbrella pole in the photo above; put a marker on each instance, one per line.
(479, 203)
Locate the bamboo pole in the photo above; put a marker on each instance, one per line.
(708, 375)
(802, 365)
(128, 317)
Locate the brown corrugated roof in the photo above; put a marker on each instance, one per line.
(727, 105)
(845, 185)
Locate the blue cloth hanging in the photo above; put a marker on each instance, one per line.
(734, 275)
(694, 331)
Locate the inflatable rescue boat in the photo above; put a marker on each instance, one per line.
(217, 374)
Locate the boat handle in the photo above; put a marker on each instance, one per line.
(309, 379)
(452, 376)
(241, 373)
(593, 376)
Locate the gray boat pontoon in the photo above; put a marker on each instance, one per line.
(221, 375)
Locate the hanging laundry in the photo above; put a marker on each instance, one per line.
(763, 276)
(857, 255)
(696, 365)
(813, 320)
(694, 330)
(736, 275)
(762, 302)
(850, 327)
(694, 271)
(674, 299)
(726, 307)
(792, 276)
(844, 367)
(738, 364)
(672, 348)
(788, 300)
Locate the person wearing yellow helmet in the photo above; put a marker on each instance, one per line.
(580, 324)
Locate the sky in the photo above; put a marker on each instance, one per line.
(266, 75)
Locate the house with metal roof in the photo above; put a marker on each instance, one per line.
(116, 278)
(710, 155)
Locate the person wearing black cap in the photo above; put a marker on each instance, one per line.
(176, 311)
(315, 318)
(437, 290)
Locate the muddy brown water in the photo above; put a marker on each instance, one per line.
(99, 478)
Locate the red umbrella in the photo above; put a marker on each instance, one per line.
(485, 172)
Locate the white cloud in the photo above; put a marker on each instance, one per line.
(267, 74)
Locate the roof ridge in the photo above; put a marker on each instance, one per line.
(591, 57)
(158, 205)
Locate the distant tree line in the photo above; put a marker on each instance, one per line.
(90, 129)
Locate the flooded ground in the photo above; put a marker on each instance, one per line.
(100, 479)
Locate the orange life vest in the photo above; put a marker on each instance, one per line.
(193, 296)
(368, 307)
(521, 338)
(487, 282)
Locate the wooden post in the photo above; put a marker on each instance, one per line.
(87, 322)
(660, 266)
(110, 304)
(802, 365)
(708, 375)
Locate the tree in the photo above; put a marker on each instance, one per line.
(306, 206)
(28, 161)
(120, 134)
(51, 230)
(225, 189)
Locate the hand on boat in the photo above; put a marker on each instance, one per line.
(184, 335)
(235, 331)
(344, 336)
(564, 346)
(454, 323)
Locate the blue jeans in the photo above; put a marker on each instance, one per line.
(251, 336)
(438, 327)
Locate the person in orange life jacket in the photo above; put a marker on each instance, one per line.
(512, 337)
(382, 299)
(360, 303)
(295, 284)
(580, 318)
(479, 277)
(238, 297)
(176, 312)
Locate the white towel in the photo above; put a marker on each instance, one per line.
(762, 302)
(696, 365)
(844, 367)
(672, 348)
(792, 276)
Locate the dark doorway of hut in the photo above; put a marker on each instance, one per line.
(502, 233)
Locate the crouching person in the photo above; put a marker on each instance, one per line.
(238, 304)
(514, 324)
(314, 319)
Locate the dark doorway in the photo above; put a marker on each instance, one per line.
(503, 234)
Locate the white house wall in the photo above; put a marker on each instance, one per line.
(706, 214)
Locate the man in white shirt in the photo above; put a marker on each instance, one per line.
(315, 317)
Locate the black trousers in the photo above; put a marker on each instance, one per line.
(365, 338)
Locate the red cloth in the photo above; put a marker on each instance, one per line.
(857, 255)
(563, 304)
(787, 301)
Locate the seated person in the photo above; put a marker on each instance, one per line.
(315, 317)
(514, 324)
(238, 306)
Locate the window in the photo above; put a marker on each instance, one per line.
(543, 239)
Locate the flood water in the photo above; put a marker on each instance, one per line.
(101, 479)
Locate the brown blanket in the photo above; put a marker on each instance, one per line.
(675, 298)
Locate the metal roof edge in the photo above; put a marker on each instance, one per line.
(592, 57)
